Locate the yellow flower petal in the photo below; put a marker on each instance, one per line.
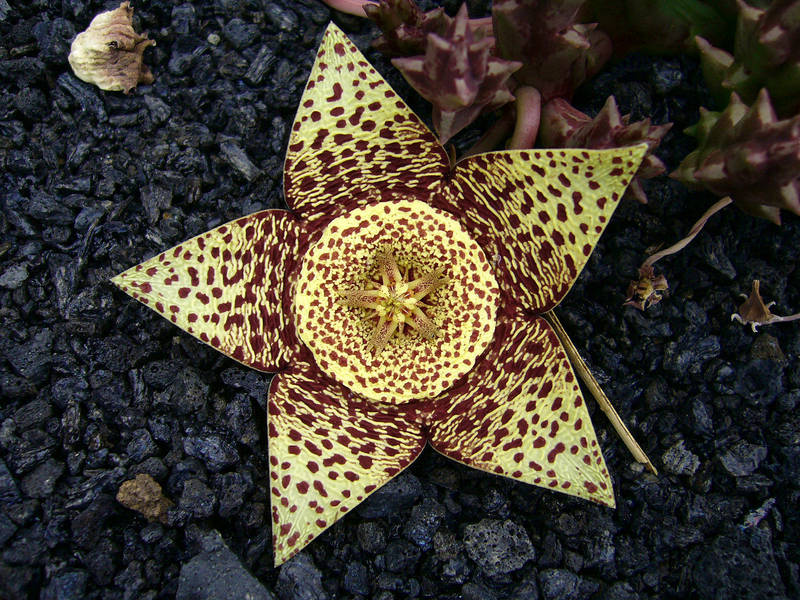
(228, 287)
(520, 413)
(354, 140)
(539, 213)
(328, 451)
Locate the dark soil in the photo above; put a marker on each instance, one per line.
(97, 388)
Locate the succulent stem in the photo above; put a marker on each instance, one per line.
(529, 110)
(602, 400)
(351, 7)
(497, 132)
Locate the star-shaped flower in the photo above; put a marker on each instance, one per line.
(399, 301)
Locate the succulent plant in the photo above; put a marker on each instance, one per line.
(661, 26)
(458, 75)
(564, 126)
(109, 53)
(405, 27)
(766, 55)
(748, 154)
(400, 301)
(557, 53)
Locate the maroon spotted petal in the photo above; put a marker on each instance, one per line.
(229, 287)
(328, 451)
(519, 413)
(353, 140)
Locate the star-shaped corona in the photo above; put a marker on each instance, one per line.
(399, 301)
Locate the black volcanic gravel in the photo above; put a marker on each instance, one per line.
(96, 388)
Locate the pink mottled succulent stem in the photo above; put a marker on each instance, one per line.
(718, 206)
(351, 7)
(529, 110)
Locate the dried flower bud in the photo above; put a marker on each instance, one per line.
(754, 312)
(109, 53)
(647, 290)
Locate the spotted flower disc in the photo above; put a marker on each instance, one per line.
(421, 239)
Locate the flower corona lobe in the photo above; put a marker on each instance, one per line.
(410, 365)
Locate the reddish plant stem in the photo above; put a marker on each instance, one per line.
(718, 206)
(529, 110)
(351, 7)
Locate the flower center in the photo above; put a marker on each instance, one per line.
(396, 301)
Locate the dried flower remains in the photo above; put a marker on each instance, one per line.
(399, 301)
(109, 53)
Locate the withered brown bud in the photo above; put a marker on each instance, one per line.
(109, 53)
(648, 290)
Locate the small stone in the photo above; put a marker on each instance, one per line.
(261, 64)
(218, 574)
(401, 557)
(141, 445)
(425, 520)
(240, 34)
(143, 494)
(498, 547)
(356, 579)
(31, 414)
(400, 493)
(743, 458)
(14, 276)
(238, 159)
(70, 585)
(561, 584)
(42, 480)
(155, 199)
(680, 461)
(371, 537)
(300, 579)
(198, 499)
(216, 453)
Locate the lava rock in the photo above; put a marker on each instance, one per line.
(738, 564)
(424, 522)
(216, 453)
(216, 573)
(743, 458)
(498, 547)
(70, 585)
(198, 499)
(371, 537)
(680, 461)
(561, 584)
(42, 480)
(300, 579)
(400, 493)
(356, 579)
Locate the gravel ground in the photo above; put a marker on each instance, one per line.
(97, 389)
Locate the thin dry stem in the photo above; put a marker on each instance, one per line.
(605, 404)
(718, 206)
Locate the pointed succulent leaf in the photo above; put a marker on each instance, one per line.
(563, 126)
(747, 153)
(555, 204)
(459, 76)
(405, 27)
(556, 52)
(766, 54)
(354, 140)
(328, 451)
(520, 414)
(229, 287)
